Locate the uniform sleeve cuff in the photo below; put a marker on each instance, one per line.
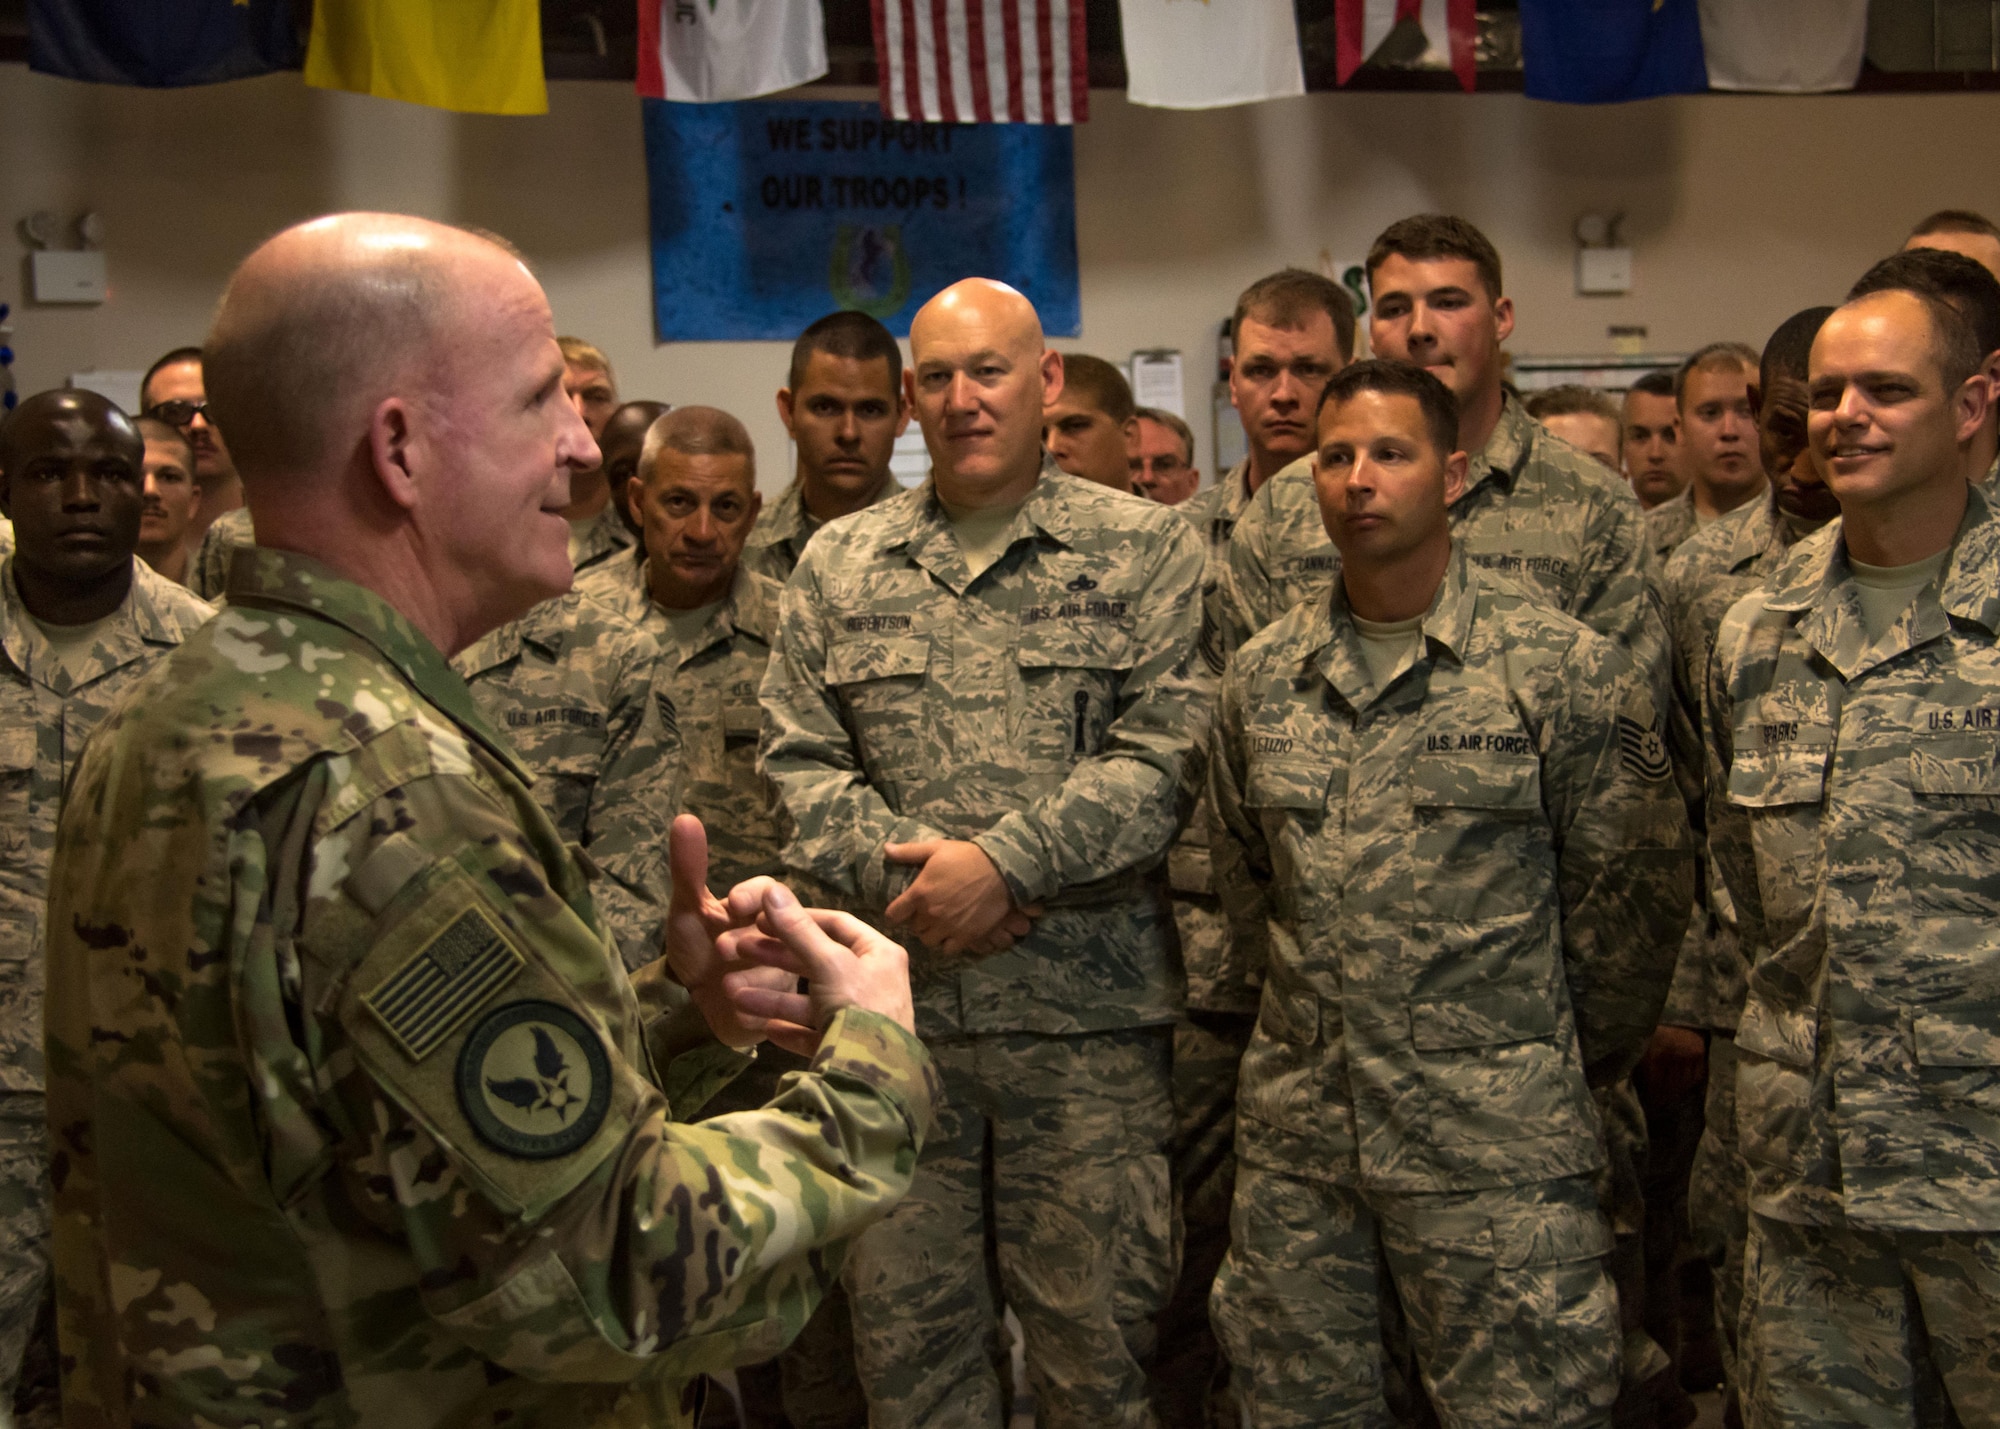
(880, 880)
(1015, 850)
(871, 1049)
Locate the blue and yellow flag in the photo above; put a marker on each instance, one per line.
(473, 56)
(161, 43)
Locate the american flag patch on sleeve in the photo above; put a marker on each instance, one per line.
(421, 1002)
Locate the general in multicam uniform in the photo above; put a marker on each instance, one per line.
(979, 717)
(360, 1121)
(1450, 828)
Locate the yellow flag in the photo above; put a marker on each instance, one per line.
(474, 56)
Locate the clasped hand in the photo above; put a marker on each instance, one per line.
(958, 903)
(741, 958)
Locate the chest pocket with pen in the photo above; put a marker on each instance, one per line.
(1071, 676)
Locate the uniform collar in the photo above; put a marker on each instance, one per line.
(262, 578)
(750, 608)
(133, 631)
(1816, 580)
(926, 536)
(787, 523)
(1336, 643)
(1508, 451)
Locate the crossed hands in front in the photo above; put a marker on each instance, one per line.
(741, 957)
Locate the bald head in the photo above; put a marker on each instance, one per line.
(980, 377)
(325, 320)
(393, 393)
(985, 306)
(37, 423)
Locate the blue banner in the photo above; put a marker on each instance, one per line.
(768, 215)
(1608, 51)
(163, 43)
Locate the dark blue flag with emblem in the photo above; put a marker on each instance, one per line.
(1604, 51)
(163, 43)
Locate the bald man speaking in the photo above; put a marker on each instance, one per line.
(356, 1117)
(979, 717)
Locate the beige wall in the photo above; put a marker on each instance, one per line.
(1741, 210)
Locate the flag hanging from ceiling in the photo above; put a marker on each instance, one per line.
(1603, 51)
(770, 214)
(983, 61)
(1360, 26)
(1784, 46)
(167, 43)
(708, 51)
(1180, 55)
(483, 58)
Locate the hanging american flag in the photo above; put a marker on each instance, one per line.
(983, 61)
(1360, 26)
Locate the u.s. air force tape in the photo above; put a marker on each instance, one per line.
(1642, 749)
(533, 1080)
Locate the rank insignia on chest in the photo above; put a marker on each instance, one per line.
(534, 1080)
(1643, 751)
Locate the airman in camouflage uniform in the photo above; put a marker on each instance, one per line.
(1467, 872)
(1291, 331)
(1710, 572)
(580, 692)
(1851, 725)
(715, 621)
(69, 462)
(983, 727)
(844, 406)
(1535, 508)
(361, 1120)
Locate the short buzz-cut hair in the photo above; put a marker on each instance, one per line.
(1959, 280)
(1183, 433)
(1399, 379)
(1437, 235)
(1657, 383)
(1290, 296)
(578, 353)
(1788, 350)
(698, 431)
(1712, 358)
(1099, 384)
(179, 354)
(1955, 220)
(155, 429)
(854, 336)
(1572, 399)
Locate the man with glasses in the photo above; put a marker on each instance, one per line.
(172, 391)
(1162, 460)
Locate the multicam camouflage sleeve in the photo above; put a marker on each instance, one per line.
(360, 1125)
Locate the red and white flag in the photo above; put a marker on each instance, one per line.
(983, 61)
(712, 51)
(1360, 26)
